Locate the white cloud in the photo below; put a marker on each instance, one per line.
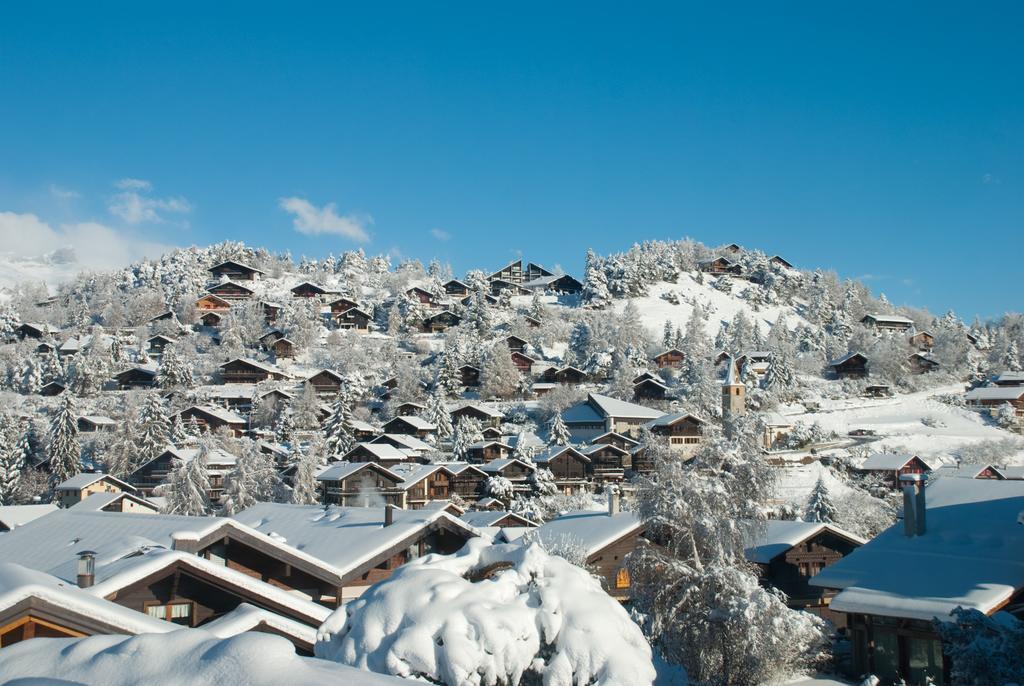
(134, 206)
(440, 234)
(133, 185)
(63, 193)
(96, 246)
(315, 221)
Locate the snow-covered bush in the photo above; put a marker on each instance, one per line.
(984, 651)
(492, 616)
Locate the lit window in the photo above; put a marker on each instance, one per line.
(178, 613)
(622, 578)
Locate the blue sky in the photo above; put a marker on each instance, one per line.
(884, 140)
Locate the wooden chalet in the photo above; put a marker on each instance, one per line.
(243, 370)
(410, 408)
(422, 296)
(923, 341)
(466, 481)
(158, 470)
(326, 383)
(410, 425)
(271, 311)
(788, 553)
(561, 284)
(155, 345)
(649, 389)
(212, 303)
(671, 359)
(608, 462)
(607, 539)
(353, 319)
(282, 348)
(423, 484)
(211, 319)
(487, 450)
(570, 376)
(878, 390)
(340, 305)
(516, 471)
(94, 423)
(487, 416)
(720, 266)
(235, 271)
(532, 322)
(535, 271)
(360, 484)
(516, 344)
(53, 388)
(230, 290)
(570, 467)
(599, 414)
(991, 399)
(379, 452)
(1009, 378)
(921, 363)
(893, 466)
(499, 285)
(34, 330)
(136, 378)
(166, 316)
(780, 262)
(469, 375)
(684, 431)
(511, 273)
(852, 365)
(437, 323)
(308, 289)
(887, 322)
(456, 288)
(214, 418)
(81, 486)
(523, 362)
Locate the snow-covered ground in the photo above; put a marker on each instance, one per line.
(720, 307)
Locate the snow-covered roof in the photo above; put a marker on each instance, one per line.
(411, 473)
(1010, 377)
(594, 529)
(482, 519)
(236, 263)
(415, 422)
(888, 461)
(556, 450)
(1006, 393)
(381, 451)
(220, 413)
(670, 419)
(406, 441)
(845, 358)
(343, 470)
(495, 466)
(888, 318)
(964, 470)
(259, 365)
(345, 537)
(778, 536)
(19, 584)
(968, 556)
(12, 516)
(481, 407)
(83, 480)
(247, 617)
(98, 420)
(97, 501)
(613, 407)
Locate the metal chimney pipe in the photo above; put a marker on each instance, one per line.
(909, 518)
(389, 514)
(914, 504)
(613, 501)
(86, 569)
(920, 503)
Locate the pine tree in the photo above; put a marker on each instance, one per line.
(447, 378)
(12, 459)
(285, 428)
(305, 408)
(64, 449)
(120, 459)
(338, 427)
(179, 434)
(188, 491)
(558, 432)
(173, 372)
(240, 487)
(467, 432)
(536, 307)
(819, 506)
(668, 337)
(595, 283)
(31, 377)
(1011, 359)
(438, 415)
(780, 377)
(154, 432)
(500, 376)
(192, 428)
(305, 489)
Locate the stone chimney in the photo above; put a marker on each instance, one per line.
(389, 514)
(613, 501)
(86, 568)
(914, 504)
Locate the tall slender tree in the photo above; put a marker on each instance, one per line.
(64, 448)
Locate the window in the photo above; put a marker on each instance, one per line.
(177, 613)
(622, 578)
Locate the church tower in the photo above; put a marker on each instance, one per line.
(734, 393)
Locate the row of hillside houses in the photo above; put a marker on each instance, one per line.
(1007, 389)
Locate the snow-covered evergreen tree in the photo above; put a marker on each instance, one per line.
(64, 449)
(595, 283)
(12, 459)
(173, 372)
(467, 432)
(558, 432)
(189, 487)
(154, 430)
(338, 436)
(820, 507)
(305, 489)
(305, 408)
(500, 377)
(438, 415)
(448, 379)
(499, 487)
